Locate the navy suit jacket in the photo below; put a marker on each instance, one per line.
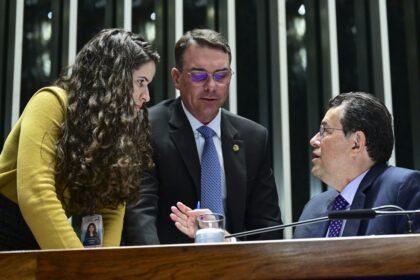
(252, 200)
(382, 185)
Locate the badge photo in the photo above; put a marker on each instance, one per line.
(91, 233)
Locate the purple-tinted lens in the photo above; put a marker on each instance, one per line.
(198, 76)
(220, 75)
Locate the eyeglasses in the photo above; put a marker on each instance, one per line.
(201, 76)
(323, 128)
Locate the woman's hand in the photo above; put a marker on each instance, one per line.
(186, 219)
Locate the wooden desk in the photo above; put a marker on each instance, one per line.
(283, 259)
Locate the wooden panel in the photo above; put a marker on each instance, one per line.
(18, 266)
(291, 259)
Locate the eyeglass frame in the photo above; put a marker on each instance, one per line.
(228, 76)
(323, 128)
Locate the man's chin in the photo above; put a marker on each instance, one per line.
(316, 172)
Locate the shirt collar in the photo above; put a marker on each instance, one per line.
(195, 124)
(349, 191)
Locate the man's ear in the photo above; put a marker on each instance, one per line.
(359, 140)
(176, 75)
(356, 144)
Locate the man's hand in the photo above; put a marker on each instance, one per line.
(186, 219)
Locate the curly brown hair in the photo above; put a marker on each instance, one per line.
(104, 145)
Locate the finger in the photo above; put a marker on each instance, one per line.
(174, 217)
(184, 230)
(182, 227)
(177, 217)
(182, 207)
(198, 212)
(178, 213)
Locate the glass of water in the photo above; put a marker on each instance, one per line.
(210, 228)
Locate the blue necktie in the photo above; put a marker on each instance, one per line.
(211, 178)
(335, 225)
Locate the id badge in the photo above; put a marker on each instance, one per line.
(92, 231)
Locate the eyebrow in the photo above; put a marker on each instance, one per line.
(202, 69)
(143, 77)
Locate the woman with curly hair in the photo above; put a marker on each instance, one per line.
(80, 147)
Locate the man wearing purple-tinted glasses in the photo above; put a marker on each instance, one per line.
(249, 196)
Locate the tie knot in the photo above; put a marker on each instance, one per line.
(340, 203)
(206, 132)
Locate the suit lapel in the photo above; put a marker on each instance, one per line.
(233, 148)
(323, 227)
(320, 229)
(182, 135)
(352, 226)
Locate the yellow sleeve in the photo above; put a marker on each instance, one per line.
(113, 224)
(37, 197)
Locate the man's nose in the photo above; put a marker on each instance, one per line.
(210, 83)
(315, 140)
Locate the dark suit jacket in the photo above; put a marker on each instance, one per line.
(382, 185)
(251, 202)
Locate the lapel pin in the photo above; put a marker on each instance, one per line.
(235, 148)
